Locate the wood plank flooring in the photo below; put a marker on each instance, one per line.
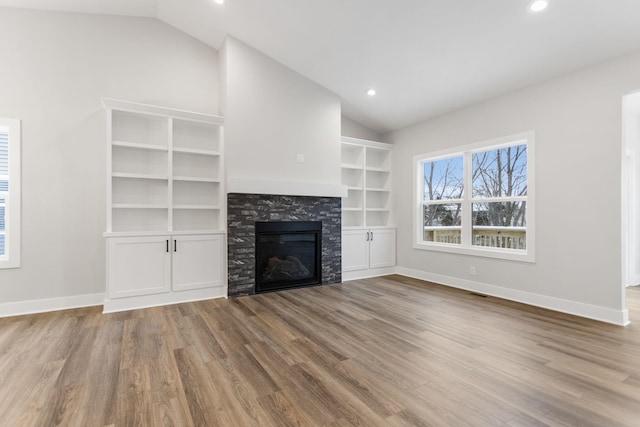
(388, 351)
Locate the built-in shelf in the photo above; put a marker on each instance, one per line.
(196, 179)
(163, 159)
(351, 166)
(196, 151)
(137, 206)
(138, 176)
(366, 171)
(139, 146)
(166, 206)
(206, 207)
(368, 237)
(382, 170)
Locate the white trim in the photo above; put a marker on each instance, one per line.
(285, 188)
(145, 301)
(160, 233)
(595, 312)
(634, 280)
(50, 304)
(13, 205)
(604, 314)
(481, 251)
(466, 248)
(501, 142)
(154, 110)
(366, 142)
(368, 273)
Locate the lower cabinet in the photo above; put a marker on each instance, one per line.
(197, 262)
(368, 252)
(155, 270)
(138, 266)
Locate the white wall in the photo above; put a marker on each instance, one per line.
(272, 114)
(577, 120)
(354, 129)
(55, 67)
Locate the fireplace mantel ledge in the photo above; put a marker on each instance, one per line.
(285, 188)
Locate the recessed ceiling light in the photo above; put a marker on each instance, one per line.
(371, 92)
(218, 1)
(538, 5)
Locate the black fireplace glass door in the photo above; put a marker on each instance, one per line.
(286, 258)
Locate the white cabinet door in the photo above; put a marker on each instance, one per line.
(382, 248)
(138, 266)
(355, 250)
(197, 261)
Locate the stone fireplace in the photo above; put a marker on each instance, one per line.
(246, 210)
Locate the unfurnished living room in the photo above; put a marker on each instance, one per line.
(338, 213)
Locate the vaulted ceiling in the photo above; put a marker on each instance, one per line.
(424, 57)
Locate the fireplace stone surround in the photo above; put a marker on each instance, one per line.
(244, 210)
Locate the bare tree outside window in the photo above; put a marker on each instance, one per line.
(499, 193)
(500, 173)
(443, 187)
(495, 202)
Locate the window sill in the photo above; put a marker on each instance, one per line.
(505, 254)
(9, 264)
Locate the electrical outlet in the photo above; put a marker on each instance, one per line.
(472, 270)
(300, 158)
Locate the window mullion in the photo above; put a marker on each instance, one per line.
(420, 207)
(466, 201)
(499, 222)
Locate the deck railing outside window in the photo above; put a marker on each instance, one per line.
(486, 236)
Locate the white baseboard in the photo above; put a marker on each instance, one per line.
(365, 274)
(50, 304)
(603, 314)
(634, 281)
(145, 301)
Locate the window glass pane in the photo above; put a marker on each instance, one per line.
(4, 152)
(9, 231)
(500, 225)
(443, 179)
(501, 172)
(3, 226)
(4, 186)
(442, 223)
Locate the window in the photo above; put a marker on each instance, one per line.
(9, 193)
(478, 199)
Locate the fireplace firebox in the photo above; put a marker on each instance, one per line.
(288, 254)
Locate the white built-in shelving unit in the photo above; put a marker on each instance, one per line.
(368, 236)
(165, 198)
(366, 171)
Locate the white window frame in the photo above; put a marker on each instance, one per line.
(11, 259)
(466, 248)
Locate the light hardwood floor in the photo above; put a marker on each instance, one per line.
(387, 351)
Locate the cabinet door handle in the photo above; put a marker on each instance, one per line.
(167, 245)
(372, 236)
(367, 236)
(175, 245)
